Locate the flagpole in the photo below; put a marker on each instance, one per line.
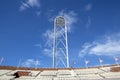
(86, 62)
(100, 60)
(19, 63)
(116, 60)
(1, 60)
(100, 64)
(86, 65)
(36, 64)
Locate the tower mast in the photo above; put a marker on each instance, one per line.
(60, 44)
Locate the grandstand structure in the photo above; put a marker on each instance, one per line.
(111, 72)
(61, 69)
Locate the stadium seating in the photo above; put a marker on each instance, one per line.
(96, 73)
(4, 72)
(111, 75)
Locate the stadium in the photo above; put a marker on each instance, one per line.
(61, 69)
(35, 45)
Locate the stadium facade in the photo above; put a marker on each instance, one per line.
(111, 72)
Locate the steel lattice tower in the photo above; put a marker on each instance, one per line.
(60, 45)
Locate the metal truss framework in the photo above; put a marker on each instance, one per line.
(60, 45)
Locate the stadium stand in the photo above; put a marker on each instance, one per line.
(111, 72)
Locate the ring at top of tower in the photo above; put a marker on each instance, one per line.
(60, 21)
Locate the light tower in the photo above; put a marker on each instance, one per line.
(60, 45)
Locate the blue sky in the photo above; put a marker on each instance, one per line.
(26, 31)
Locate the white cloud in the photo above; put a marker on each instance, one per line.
(50, 15)
(109, 46)
(48, 52)
(30, 63)
(29, 4)
(88, 24)
(38, 45)
(33, 3)
(88, 7)
(24, 6)
(49, 35)
(38, 13)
